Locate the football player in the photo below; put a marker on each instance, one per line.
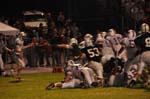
(115, 40)
(115, 69)
(107, 51)
(93, 55)
(18, 57)
(142, 42)
(130, 48)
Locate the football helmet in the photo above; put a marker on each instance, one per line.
(131, 34)
(82, 45)
(22, 33)
(88, 36)
(73, 41)
(111, 32)
(145, 28)
(88, 39)
(70, 63)
(88, 42)
(103, 34)
(99, 39)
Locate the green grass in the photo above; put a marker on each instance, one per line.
(33, 87)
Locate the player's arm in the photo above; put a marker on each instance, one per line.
(81, 56)
(68, 76)
(27, 46)
(67, 46)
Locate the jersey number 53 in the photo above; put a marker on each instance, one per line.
(93, 52)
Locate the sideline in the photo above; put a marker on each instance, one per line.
(30, 70)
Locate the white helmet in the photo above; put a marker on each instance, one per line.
(82, 45)
(22, 33)
(88, 36)
(145, 28)
(70, 63)
(111, 32)
(88, 42)
(73, 41)
(103, 34)
(88, 39)
(131, 34)
(100, 37)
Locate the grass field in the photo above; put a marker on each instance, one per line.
(33, 87)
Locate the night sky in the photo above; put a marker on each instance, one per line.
(95, 12)
(101, 13)
(74, 7)
(16, 6)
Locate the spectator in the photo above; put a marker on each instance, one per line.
(2, 47)
(60, 19)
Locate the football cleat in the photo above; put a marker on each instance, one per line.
(95, 84)
(83, 85)
(50, 86)
(131, 84)
(100, 82)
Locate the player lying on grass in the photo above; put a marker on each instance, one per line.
(76, 76)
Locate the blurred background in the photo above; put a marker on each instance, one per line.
(89, 13)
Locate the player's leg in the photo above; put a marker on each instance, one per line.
(88, 76)
(146, 58)
(98, 69)
(111, 81)
(74, 83)
(52, 85)
(18, 69)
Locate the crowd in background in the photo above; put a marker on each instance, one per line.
(135, 12)
(60, 30)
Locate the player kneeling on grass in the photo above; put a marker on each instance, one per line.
(131, 79)
(114, 70)
(142, 42)
(75, 77)
(128, 78)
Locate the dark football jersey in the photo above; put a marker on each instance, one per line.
(93, 53)
(143, 41)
